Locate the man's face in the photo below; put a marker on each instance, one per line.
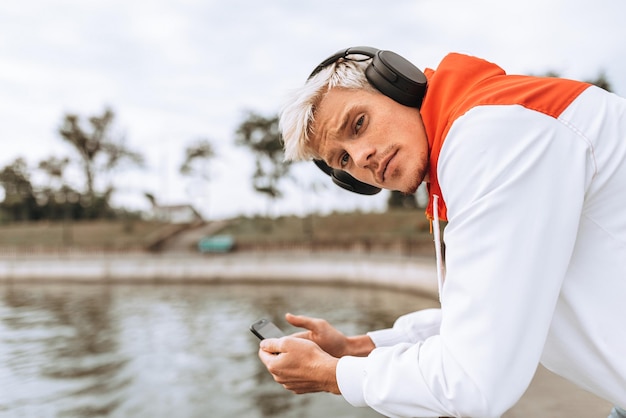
(372, 137)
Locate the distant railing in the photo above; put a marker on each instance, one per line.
(11, 252)
(397, 247)
(407, 247)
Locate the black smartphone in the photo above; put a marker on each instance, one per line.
(264, 328)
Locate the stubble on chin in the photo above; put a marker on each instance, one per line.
(412, 188)
(414, 182)
(415, 175)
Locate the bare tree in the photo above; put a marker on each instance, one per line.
(196, 164)
(262, 137)
(99, 149)
(197, 156)
(19, 201)
(54, 168)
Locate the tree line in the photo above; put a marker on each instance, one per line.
(99, 152)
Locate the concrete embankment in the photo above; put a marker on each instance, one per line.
(417, 274)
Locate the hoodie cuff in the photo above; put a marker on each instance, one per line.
(351, 373)
(387, 337)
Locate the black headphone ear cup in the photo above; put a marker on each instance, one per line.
(323, 166)
(397, 78)
(346, 181)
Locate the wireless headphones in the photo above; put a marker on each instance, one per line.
(393, 76)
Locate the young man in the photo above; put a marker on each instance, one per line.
(530, 174)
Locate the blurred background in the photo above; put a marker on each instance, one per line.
(139, 127)
(136, 107)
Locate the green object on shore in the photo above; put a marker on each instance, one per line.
(216, 244)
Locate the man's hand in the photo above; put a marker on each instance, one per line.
(300, 365)
(329, 338)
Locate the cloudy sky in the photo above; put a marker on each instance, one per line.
(175, 71)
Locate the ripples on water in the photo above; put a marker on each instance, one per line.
(166, 350)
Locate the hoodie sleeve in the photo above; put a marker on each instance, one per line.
(413, 327)
(514, 191)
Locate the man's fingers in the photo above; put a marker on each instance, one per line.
(297, 320)
(272, 345)
(300, 388)
(301, 321)
(302, 334)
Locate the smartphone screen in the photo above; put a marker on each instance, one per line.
(264, 328)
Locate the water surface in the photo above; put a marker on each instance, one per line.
(75, 350)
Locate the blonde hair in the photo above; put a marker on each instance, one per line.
(298, 114)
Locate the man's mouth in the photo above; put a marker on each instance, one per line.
(382, 170)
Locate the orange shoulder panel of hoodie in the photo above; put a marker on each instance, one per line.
(479, 83)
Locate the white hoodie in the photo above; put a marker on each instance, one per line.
(535, 268)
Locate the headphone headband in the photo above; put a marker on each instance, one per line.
(392, 75)
(343, 53)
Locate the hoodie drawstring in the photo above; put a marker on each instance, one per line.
(437, 236)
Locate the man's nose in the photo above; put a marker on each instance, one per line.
(363, 155)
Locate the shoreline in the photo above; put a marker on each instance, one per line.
(394, 272)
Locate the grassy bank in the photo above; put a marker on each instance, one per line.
(341, 226)
(339, 229)
(86, 235)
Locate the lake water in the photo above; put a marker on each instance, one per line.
(72, 350)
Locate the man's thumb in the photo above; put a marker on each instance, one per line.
(270, 345)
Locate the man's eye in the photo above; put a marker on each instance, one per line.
(345, 159)
(359, 123)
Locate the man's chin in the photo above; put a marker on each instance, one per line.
(411, 188)
(405, 191)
